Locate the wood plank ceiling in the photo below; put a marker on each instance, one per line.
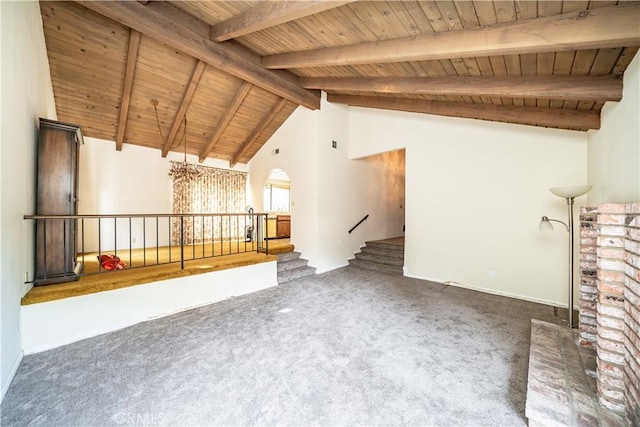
(238, 69)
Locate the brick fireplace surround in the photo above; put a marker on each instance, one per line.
(610, 302)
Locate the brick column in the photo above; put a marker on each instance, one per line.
(632, 315)
(610, 305)
(588, 266)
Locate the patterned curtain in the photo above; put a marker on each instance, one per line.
(214, 191)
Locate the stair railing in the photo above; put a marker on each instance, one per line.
(141, 240)
(359, 222)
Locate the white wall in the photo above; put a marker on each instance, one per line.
(329, 192)
(27, 94)
(475, 192)
(297, 141)
(55, 323)
(614, 149)
(132, 181)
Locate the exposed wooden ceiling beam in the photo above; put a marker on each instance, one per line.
(269, 14)
(130, 69)
(226, 119)
(192, 85)
(255, 133)
(605, 27)
(574, 88)
(153, 23)
(549, 117)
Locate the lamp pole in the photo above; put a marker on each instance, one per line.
(570, 208)
(569, 194)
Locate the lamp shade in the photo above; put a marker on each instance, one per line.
(570, 192)
(545, 224)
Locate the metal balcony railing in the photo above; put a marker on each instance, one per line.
(77, 244)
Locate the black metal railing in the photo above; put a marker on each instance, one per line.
(77, 244)
(359, 222)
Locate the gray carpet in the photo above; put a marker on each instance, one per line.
(348, 347)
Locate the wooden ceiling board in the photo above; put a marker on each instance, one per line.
(161, 74)
(213, 12)
(88, 54)
(86, 59)
(284, 114)
(204, 114)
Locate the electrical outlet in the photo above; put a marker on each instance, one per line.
(134, 240)
(26, 276)
(492, 274)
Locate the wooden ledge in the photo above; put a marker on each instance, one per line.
(137, 276)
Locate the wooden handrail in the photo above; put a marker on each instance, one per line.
(359, 222)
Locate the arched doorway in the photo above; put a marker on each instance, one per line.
(277, 203)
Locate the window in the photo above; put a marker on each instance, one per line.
(277, 198)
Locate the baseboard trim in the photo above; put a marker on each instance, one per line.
(488, 291)
(12, 374)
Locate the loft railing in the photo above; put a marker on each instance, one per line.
(76, 245)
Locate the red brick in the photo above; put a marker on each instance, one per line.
(612, 231)
(613, 383)
(609, 368)
(612, 208)
(632, 259)
(587, 341)
(610, 241)
(633, 234)
(612, 300)
(630, 246)
(611, 322)
(631, 285)
(630, 208)
(610, 264)
(610, 334)
(633, 221)
(611, 394)
(611, 219)
(615, 287)
(611, 253)
(611, 347)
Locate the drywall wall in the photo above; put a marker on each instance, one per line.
(55, 323)
(27, 94)
(329, 192)
(132, 181)
(296, 142)
(614, 149)
(350, 189)
(475, 192)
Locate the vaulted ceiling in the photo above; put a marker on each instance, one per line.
(236, 70)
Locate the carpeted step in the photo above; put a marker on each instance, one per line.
(296, 273)
(386, 246)
(291, 264)
(380, 251)
(288, 256)
(380, 259)
(382, 268)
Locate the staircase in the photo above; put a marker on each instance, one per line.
(291, 266)
(385, 256)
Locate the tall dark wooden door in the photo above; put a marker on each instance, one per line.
(57, 186)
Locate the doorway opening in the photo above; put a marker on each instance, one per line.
(277, 203)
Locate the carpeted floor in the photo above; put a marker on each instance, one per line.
(348, 347)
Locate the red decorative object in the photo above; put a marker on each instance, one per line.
(111, 262)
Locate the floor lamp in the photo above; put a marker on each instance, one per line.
(569, 194)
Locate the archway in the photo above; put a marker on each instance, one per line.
(277, 203)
